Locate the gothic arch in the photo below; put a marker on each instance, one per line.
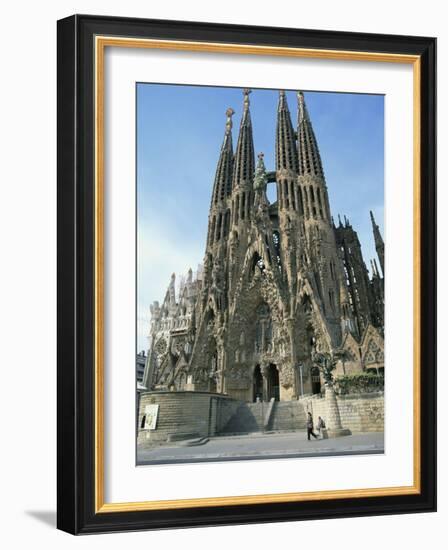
(256, 262)
(372, 348)
(316, 316)
(209, 316)
(306, 303)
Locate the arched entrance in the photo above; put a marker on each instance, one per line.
(268, 386)
(315, 380)
(258, 384)
(272, 383)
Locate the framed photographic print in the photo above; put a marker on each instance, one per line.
(246, 274)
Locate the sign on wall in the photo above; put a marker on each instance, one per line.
(151, 413)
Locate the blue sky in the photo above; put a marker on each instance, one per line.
(179, 135)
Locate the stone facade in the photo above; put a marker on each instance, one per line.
(358, 412)
(185, 415)
(279, 281)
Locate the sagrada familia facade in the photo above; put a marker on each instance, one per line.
(279, 281)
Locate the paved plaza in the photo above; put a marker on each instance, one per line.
(263, 446)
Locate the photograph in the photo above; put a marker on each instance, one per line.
(229, 350)
(260, 273)
(200, 204)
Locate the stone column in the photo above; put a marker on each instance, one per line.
(263, 331)
(292, 341)
(221, 361)
(264, 368)
(333, 420)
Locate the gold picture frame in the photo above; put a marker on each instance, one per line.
(98, 34)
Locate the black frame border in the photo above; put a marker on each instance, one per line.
(76, 261)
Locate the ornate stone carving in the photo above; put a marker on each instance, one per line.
(161, 346)
(179, 345)
(287, 375)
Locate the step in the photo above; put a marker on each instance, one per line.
(288, 415)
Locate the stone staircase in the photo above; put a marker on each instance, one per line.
(248, 418)
(287, 416)
(251, 417)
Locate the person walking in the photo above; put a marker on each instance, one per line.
(310, 426)
(320, 425)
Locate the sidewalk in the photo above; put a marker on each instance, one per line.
(263, 446)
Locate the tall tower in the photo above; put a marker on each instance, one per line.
(286, 162)
(242, 198)
(219, 216)
(214, 282)
(322, 256)
(377, 288)
(379, 243)
(289, 202)
(243, 169)
(357, 278)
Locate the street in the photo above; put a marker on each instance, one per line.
(263, 446)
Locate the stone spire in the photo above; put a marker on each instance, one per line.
(285, 152)
(286, 162)
(224, 170)
(309, 156)
(356, 275)
(219, 217)
(172, 290)
(379, 243)
(244, 164)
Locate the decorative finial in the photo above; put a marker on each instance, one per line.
(229, 113)
(301, 115)
(282, 100)
(260, 177)
(246, 93)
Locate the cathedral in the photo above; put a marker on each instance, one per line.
(279, 282)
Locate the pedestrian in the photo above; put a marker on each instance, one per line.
(310, 426)
(320, 425)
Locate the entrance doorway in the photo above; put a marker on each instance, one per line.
(258, 384)
(273, 384)
(315, 380)
(268, 388)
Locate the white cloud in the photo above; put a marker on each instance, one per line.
(159, 255)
